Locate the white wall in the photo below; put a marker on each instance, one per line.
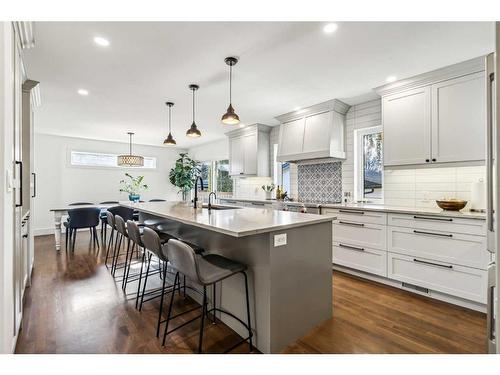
(59, 183)
(211, 151)
(6, 197)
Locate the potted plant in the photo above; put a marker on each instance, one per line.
(184, 174)
(269, 190)
(133, 187)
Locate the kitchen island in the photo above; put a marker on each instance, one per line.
(288, 255)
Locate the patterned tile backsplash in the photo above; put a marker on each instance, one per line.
(320, 183)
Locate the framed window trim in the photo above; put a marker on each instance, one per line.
(358, 163)
(74, 164)
(212, 182)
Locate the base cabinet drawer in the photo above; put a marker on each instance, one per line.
(360, 234)
(459, 281)
(357, 215)
(454, 248)
(448, 224)
(359, 258)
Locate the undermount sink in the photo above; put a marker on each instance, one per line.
(219, 207)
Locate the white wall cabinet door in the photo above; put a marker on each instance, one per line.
(292, 137)
(317, 132)
(236, 155)
(250, 154)
(459, 119)
(407, 127)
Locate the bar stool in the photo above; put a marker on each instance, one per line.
(110, 220)
(121, 233)
(205, 270)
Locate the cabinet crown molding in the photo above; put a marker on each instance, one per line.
(249, 129)
(442, 74)
(26, 33)
(330, 105)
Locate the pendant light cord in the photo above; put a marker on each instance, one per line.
(230, 82)
(193, 105)
(130, 134)
(169, 119)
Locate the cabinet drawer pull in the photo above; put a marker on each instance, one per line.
(352, 247)
(352, 212)
(432, 264)
(354, 224)
(433, 234)
(432, 218)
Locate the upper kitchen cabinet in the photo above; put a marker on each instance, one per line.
(249, 151)
(436, 117)
(314, 132)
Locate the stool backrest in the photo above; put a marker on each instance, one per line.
(157, 200)
(152, 242)
(183, 259)
(125, 212)
(110, 218)
(84, 217)
(134, 233)
(81, 204)
(120, 225)
(109, 202)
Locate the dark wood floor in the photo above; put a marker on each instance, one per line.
(75, 306)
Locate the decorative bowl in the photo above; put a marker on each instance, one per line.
(451, 204)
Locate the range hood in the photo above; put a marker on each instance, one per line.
(316, 132)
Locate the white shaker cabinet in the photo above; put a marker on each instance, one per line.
(436, 117)
(292, 137)
(458, 119)
(407, 127)
(249, 151)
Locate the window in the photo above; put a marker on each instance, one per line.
(281, 171)
(285, 177)
(96, 159)
(368, 164)
(215, 176)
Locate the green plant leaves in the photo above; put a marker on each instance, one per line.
(184, 173)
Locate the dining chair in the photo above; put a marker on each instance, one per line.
(79, 218)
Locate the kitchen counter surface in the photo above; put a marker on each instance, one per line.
(408, 210)
(272, 201)
(237, 222)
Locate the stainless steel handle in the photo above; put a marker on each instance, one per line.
(490, 77)
(490, 322)
(20, 163)
(433, 234)
(34, 185)
(352, 247)
(432, 218)
(352, 212)
(354, 224)
(432, 264)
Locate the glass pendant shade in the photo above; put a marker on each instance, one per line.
(130, 160)
(230, 117)
(169, 141)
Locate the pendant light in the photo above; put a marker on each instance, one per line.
(230, 117)
(193, 131)
(130, 160)
(170, 141)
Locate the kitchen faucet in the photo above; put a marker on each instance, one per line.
(195, 200)
(210, 196)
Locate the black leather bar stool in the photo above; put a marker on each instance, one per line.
(207, 271)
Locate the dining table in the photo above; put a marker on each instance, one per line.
(60, 212)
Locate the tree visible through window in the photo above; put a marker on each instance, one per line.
(372, 165)
(216, 177)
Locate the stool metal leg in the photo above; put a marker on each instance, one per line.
(214, 303)
(126, 263)
(117, 252)
(248, 312)
(170, 308)
(125, 281)
(203, 313)
(140, 279)
(145, 281)
(109, 246)
(161, 301)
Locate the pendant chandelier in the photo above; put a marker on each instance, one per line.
(130, 160)
(193, 131)
(170, 141)
(230, 117)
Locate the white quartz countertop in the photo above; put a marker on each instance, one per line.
(236, 222)
(409, 210)
(271, 201)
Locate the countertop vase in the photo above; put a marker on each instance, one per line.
(134, 197)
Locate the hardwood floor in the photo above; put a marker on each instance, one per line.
(75, 306)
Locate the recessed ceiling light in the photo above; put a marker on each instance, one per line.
(83, 92)
(101, 41)
(391, 79)
(330, 28)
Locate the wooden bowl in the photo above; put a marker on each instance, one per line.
(451, 204)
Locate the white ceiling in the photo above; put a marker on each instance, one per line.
(283, 65)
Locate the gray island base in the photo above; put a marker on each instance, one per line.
(290, 278)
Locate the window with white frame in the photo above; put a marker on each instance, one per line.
(368, 164)
(97, 159)
(215, 176)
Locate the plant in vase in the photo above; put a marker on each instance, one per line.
(184, 174)
(268, 190)
(133, 186)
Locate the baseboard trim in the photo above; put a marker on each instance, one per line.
(43, 231)
(397, 284)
